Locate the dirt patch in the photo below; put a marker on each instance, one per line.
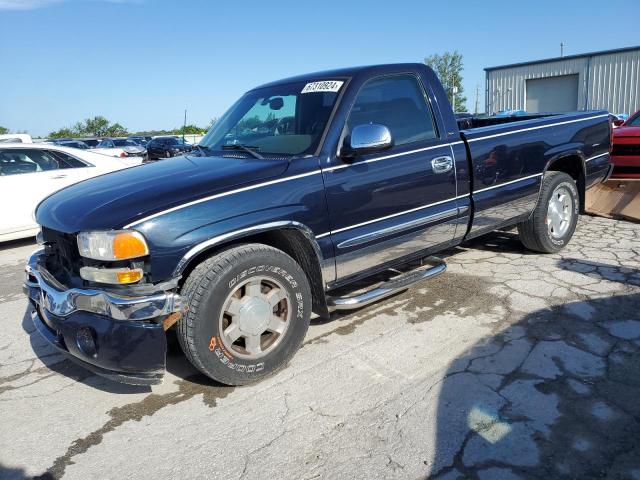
(148, 406)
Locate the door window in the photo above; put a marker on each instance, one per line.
(67, 161)
(397, 102)
(16, 161)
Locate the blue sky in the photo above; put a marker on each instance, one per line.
(142, 62)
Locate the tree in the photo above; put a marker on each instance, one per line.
(63, 133)
(448, 67)
(116, 130)
(189, 130)
(97, 126)
(3, 130)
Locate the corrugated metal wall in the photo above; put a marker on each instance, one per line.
(610, 82)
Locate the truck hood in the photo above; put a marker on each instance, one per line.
(626, 131)
(116, 199)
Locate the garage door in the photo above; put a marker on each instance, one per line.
(552, 94)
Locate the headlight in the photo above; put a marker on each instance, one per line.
(113, 245)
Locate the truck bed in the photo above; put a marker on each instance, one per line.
(509, 157)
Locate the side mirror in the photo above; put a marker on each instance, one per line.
(618, 122)
(368, 138)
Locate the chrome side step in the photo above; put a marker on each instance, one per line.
(386, 289)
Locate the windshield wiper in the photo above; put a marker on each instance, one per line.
(245, 148)
(204, 150)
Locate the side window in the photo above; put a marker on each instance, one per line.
(16, 161)
(397, 102)
(67, 161)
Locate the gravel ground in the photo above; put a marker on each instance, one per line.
(509, 365)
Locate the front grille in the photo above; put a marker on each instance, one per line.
(62, 258)
(622, 149)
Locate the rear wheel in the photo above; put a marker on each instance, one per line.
(249, 310)
(552, 223)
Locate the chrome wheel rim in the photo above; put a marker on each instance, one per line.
(559, 212)
(255, 317)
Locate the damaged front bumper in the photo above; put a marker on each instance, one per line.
(120, 337)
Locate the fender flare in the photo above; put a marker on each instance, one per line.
(245, 232)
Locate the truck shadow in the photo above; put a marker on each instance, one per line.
(552, 396)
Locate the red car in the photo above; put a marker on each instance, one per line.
(625, 155)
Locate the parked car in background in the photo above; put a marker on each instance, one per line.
(72, 144)
(121, 147)
(618, 119)
(31, 172)
(166, 147)
(91, 142)
(305, 188)
(16, 138)
(140, 140)
(626, 148)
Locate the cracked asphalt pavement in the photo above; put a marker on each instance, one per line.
(509, 365)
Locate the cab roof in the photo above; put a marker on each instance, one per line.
(369, 70)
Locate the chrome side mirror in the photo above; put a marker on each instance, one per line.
(368, 138)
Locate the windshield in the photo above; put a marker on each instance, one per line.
(282, 120)
(124, 143)
(634, 121)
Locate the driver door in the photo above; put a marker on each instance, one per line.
(395, 203)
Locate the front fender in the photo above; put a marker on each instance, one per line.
(246, 232)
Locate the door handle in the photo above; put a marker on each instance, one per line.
(58, 177)
(442, 164)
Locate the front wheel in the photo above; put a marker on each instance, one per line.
(552, 223)
(248, 312)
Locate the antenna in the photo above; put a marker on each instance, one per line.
(477, 98)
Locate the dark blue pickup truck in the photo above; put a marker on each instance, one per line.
(322, 192)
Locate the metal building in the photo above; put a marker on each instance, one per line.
(607, 80)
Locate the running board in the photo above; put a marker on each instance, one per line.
(386, 289)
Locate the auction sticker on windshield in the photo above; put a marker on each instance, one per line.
(325, 86)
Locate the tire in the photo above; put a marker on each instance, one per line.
(167, 154)
(554, 220)
(246, 280)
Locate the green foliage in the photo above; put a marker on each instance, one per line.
(116, 130)
(97, 126)
(189, 130)
(62, 133)
(448, 67)
(3, 130)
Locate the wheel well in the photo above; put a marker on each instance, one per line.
(573, 166)
(292, 242)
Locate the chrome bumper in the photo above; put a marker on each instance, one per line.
(47, 292)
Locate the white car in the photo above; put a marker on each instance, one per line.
(121, 147)
(16, 138)
(29, 172)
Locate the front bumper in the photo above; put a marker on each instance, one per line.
(626, 166)
(119, 337)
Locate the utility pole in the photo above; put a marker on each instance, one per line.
(184, 127)
(562, 45)
(477, 98)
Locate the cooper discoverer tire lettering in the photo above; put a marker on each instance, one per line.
(248, 312)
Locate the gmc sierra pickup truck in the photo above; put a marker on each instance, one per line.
(302, 191)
